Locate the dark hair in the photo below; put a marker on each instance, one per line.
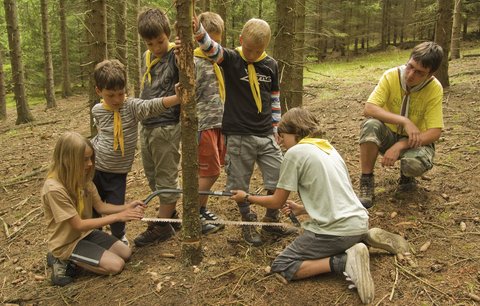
(110, 74)
(300, 122)
(429, 54)
(152, 23)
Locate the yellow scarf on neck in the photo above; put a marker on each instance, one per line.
(149, 64)
(81, 204)
(117, 128)
(252, 78)
(322, 144)
(218, 72)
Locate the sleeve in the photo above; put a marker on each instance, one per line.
(211, 48)
(275, 100)
(380, 94)
(61, 205)
(143, 109)
(289, 176)
(434, 112)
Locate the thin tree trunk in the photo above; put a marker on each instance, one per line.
(47, 54)
(121, 34)
(456, 30)
(191, 235)
(320, 41)
(66, 85)
(221, 9)
(3, 98)
(283, 50)
(260, 8)
(465, 26)
(443, 34)
(297, 81)
(11, 15)
(96, 21)
(135, 64)
(404, 22)
(383, 42)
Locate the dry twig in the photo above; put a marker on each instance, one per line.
(396, 280)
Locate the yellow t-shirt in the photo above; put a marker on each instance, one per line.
(59, 208)
(425, 109)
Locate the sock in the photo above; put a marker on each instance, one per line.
(202, 209)
(338, 263)
(244, 208)
(367, 174)
(272, 213)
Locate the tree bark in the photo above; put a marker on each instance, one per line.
(135, 64)
(66, 85)
(297, 80)
(221, 9)
(456, 30)
(319, 39)
(283, 50)
(3, 93)
(121, 34)
(191, 235)
(18, 73)
(47, 54)
(443, 33)
(383, 42)
(96, 22)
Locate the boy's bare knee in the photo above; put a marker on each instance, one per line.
(115, 266)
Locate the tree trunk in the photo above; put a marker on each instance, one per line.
(297, 80)
(320, 41)
(383, 42)
(260, 8)
(3, 98)
(66, 85)
(47, 55)
(221, 9)
(404, 22)
(283, 50)
(465, 26)
(121, 34)
(135, 64)
(11, 15)
(96, 23)
(443, 33)
(456, 30)
(191, 234)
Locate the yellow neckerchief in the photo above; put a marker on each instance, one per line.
(218, 72)
(117, 128)
(322, 144)
(81, 204)
(252, 78)
(149, 64)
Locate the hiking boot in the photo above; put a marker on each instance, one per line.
(381, 239)
(156, 232)
(125, 240)
(177, 226)
(59, 273)
(50, 259)
(249, 232)
(209, 228)
(406, 183)
(278, 231)
(71, 267)
(367, 190)
(357, 269)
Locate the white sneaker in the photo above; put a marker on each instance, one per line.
(357, 269)
(381, 239)
(125, 240)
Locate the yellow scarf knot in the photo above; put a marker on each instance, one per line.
(322, 144)
(218, 73)
(149, 64)
(253, 79)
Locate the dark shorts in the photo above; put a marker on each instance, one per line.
(90, 249)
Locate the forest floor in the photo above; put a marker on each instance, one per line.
(444, 211)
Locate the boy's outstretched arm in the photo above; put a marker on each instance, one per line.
(274, 201)
(210, 48)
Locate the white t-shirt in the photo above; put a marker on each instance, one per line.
(323, 183)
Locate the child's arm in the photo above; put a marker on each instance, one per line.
(276, 112)
(210, 48)
(143, 109)
(275, 201)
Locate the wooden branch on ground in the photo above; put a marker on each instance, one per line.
(13, 235)
(395, 282)
(31, 124)
(419, 279)
(16, 180)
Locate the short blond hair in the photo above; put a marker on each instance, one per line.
(257, 31)
(212, 22)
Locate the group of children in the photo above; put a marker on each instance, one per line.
(237, 96)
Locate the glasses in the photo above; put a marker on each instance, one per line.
(417, 72)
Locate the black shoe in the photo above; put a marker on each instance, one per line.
(367, 190)
(249, 232)
(210, 228)
(60, 276)
(278, 231)
(156, 232)
(406, 184)
(177, 226)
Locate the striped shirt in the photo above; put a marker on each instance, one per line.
(132, 112)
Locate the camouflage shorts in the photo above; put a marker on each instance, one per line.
(413, 162)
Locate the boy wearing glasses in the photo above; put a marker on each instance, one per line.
(404, 119)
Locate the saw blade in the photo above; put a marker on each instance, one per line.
(224, 222)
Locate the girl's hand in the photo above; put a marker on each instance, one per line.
(136, 204)
(238, 195)
(131, 213)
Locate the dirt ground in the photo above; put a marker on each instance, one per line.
(443, 211)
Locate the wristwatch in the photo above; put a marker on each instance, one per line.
(245, 199)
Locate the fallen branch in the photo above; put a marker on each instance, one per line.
(474, 297)
(419, 279)
(226, 272)
(378, 303)
(31, 124)
(470, 168)
(25, 176)
(5, 228)
(23, 226)
(395, 282)
(27, 214)
(465, 259)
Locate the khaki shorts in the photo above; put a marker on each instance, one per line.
(161, 157)
(413, 162)
(243, 152)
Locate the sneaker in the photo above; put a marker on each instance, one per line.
(278, 231)
(156, 232)
(50, 259)
(210, 228)
(367, 190)
(71, 266)
(125, 240)
(406, 183)
(357, 269)
(249, 232)
(59, 273)
(177, 226)
(381, 239)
